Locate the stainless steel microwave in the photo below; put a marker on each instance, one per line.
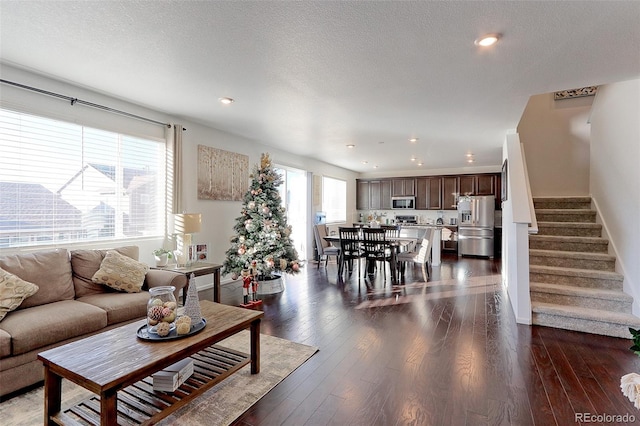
(403, 202)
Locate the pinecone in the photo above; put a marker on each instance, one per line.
(155, 313)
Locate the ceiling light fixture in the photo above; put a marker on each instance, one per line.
(375, 167)
(469, 155)
(420, 163)
(487, 40)
(470, 160)
(226, 101)
(365, 162)
(351, 146)
(413, 140)
(413, 158)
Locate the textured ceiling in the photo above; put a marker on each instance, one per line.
(312, 77)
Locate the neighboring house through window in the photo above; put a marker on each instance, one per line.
(62, 182)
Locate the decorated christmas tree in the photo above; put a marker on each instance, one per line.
(262, 241)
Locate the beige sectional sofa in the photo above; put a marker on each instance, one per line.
(66, 307)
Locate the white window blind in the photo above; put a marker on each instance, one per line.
(334, 199)
(62, 182)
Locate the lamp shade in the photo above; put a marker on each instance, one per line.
(188, 223)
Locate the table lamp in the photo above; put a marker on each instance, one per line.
(186, 224)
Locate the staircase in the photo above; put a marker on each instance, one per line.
(573, 282)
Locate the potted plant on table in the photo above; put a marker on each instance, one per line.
(162, 256)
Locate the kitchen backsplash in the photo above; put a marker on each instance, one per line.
(389, 216)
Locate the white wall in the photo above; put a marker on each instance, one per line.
(555, 135)
(218, 217)
(615, 175)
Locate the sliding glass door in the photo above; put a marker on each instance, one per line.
(293, 193)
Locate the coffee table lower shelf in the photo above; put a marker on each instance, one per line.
(139, 404)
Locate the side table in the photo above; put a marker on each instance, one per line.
(198, 269)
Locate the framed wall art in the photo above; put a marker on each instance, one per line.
(504, 190)
(222, 175)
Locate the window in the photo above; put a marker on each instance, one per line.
(62, 182)
(334, 199)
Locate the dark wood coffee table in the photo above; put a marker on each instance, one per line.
(116, 365)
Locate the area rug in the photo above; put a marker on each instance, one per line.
(220, 405)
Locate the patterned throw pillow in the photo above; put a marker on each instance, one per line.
(121, 272)
(13, 290)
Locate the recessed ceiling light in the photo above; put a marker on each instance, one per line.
(226, 101)
(413, 140)
(413, 158)
(365, 162)
(351, 146)
(469, 155)
(470, 160)
(375, 167)
(420, 163)
(487, 40)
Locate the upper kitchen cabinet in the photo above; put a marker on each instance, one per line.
(429, 193)
(362, 194)
(373, 194)
(450, 191)
(385, 195)
(486, 185)
(403, 186)
(478, 184)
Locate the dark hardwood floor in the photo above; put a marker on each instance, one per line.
(448, 353)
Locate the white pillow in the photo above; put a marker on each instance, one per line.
(121, 273)
(13, 291)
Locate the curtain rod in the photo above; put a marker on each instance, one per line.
(86, 103)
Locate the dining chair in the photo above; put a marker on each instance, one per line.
(420, 256)
(323, 247)
(376, 248)
(350, 249)
(391, 230)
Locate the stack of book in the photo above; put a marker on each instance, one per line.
(170, 379)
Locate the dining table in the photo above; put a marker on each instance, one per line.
(396, 245)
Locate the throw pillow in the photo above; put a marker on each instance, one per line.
(13, 290)
(121, 273)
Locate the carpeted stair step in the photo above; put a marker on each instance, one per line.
(570, 229)
(562, 243)
(592, 298)
(572, 259)
(562, 202)
(586, 320)
(577, 277)
(566, 215)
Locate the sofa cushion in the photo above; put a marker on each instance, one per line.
(86, 263)
(120, 307)
(121, 273)
(51, 323)
(5, 344)
(13, 290)
(50, 270)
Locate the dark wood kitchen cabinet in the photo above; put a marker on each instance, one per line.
(385, 194)
(373, 194)
(362, 194)
(450, 192)
(403, 187)
(486, 185)
(478, 184)
(429, 193)
(468, 184)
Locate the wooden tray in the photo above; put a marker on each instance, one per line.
(144, 334)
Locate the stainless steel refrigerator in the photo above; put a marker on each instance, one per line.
(475, 225)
